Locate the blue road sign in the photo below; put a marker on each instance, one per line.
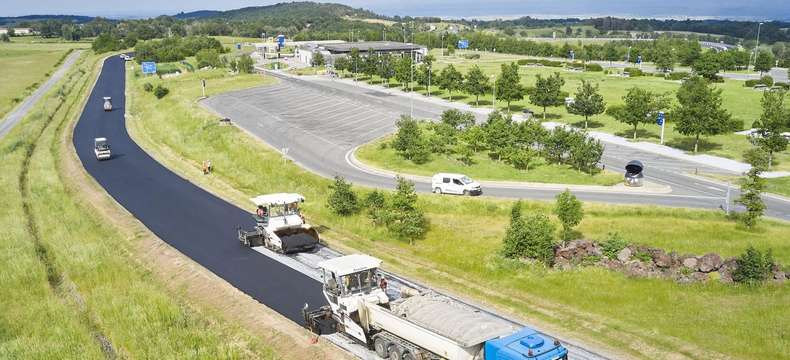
(639, 59)
(238, 46)
(572, 55)
(463, 44)
(149, 67)
(281, 40)
(660, 118)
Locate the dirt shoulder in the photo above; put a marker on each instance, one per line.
(201, 289)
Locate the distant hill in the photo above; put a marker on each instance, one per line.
(295, 11)
(5, 21)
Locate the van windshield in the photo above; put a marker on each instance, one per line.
(466, 180)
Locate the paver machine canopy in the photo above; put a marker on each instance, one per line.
(280, 225)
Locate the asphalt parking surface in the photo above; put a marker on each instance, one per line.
(195, 222)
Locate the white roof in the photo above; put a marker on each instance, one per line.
(100, 139)
(348, 264)
(452, 175)
(277, 199)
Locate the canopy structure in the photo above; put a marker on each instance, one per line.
(456, 321)
(350, 264)
(277, 199)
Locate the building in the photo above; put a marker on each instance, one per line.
(18, 31)
(334, 50)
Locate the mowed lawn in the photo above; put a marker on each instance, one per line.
(643, 318)
(385, 157)
(25, 66)
(742, 102)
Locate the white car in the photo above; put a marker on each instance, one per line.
(101, 148)
(444, 183)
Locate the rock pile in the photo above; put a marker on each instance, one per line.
(644, 261)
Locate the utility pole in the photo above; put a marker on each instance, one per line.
(493, 101)
(757, 46)
(411, 80)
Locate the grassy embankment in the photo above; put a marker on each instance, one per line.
(71, 287)
(644, 318)
(742, 102)
(483, 168)
(25, 67)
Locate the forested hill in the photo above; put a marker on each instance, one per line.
(284, 14)
(22, 20)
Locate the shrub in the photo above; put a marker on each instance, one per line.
(569, 210)
(785, 86)
(403, 218)
(753, 266)
(376, 205)
(613, 245)
(148, 87)
(532, 237)
(245, 64)
(634, 72)
(472, 56)
(523, 61)
(342, 199)
(751, 83)
(161, 91)
(593, 67)
(677, 75)
(643, 256)
(4, 38)
(551, 63)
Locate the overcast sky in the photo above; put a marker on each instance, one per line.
(751, 9)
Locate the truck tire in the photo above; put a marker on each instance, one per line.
(408, 356)
(437, 190)
(382, 347)
(396, 352)
(466, 192)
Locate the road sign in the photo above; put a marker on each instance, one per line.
(281, 40)
(660, 118)
(238, 46)
(149, 67)
(639, 59)
(463, 44)
(572, 55)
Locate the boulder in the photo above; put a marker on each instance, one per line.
(726, 269)
(661, 259)
(624, 255)
(699, 277)
(709, 262)
(690, 262)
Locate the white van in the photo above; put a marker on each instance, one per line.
(460, 184)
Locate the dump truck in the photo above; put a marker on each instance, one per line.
(101, 148)
(413, 325)
(279, 225)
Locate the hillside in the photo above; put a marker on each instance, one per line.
(284, 12)
(34, 18)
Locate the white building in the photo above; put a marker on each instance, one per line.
(18, 31)
(334, 50)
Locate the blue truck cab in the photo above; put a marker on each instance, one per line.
(525, 344)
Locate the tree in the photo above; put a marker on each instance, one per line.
(752, 187)
(245, 64)
(476, 83)
(161, 91)
(376, 204)
(548, 92)
(405, 219)
(450, 79)
(690, 53)
(664, 56)
(587, 101)
(424, 73)
(409, 142)
(699, 110)
(585, 153)
(521, 158)
(342, 199)
(768, 130)
(5, 38)
(355, 63)
(499, 134)
(208, 57)
(403, 71)
(764, 62)
(640, 106)
(753, 266)
(342, 64)
(610, 52)
(474, 136)
(707, 65)
(508, 84)
(318, 59)
(457, 119)
(532, 237)
(569, 210)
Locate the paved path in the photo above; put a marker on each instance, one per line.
(320, 122)
(20, 111)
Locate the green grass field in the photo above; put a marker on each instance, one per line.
(642, 318)
(742, 102)
(483, 169)
(70, 285)
(779, 186)
(25, 67)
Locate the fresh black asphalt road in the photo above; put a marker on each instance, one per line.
(318, 122)
(193, 221)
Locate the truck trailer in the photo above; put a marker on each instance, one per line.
(410, 325)
(279, 225)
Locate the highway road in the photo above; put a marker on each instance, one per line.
(319, 122)
(195, 222)
(16, 115)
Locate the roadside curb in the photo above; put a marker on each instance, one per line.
(352, 160)
(735, 186)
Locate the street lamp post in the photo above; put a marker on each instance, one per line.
(757, 46)
(493, 100)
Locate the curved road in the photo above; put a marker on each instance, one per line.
(188, 218)
(318, 123)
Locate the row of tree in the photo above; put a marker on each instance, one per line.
(521, 145)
